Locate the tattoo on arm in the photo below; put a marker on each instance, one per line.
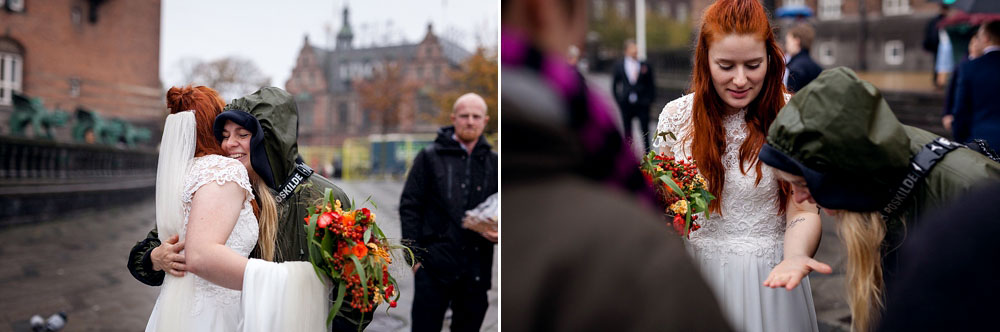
(795, 222)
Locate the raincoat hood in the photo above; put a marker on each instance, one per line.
(277, 114)
(840, 134)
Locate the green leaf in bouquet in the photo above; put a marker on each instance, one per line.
(370, 201)
(687, 223)
(377, 231)
(698, 203)
(327, 243)
(668, 179)
(368, 235)
(328, 195)
(361, 273)
(665, 134)
(337, 303)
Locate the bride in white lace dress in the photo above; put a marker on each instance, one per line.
(204, 195)
(756, 239)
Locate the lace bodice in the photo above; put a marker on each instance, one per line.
(749, 224)
(219, 169)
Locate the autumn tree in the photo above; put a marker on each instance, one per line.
(232, 77)
(383, 96)
(478, 74)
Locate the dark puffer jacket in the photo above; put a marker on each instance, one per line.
(444, 182)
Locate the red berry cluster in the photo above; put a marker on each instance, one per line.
(684, 173)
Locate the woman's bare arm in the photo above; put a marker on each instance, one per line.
(214, 211)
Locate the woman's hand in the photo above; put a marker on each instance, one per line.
(167, 257)
(789, 272)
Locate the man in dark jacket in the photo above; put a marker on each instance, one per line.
(801, 67)
(296, 187)
(452, 175)
(634, 88)
(976, 110)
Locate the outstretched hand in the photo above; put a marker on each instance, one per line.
(789, 272)
(167, 257)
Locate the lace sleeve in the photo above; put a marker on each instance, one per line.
(218, 169)
(671, 122)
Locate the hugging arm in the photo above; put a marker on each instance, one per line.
(140, 264)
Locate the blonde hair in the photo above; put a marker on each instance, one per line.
(267, 218)
(862, 233)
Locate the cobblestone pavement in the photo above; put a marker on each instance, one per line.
(76, 264)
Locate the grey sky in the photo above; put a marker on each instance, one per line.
(271, 32)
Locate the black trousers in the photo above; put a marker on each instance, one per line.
(432, 298)
(636, 111)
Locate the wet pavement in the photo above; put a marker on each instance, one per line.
(76, 264)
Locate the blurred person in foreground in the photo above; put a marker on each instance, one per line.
(588, 251)
(947, 281)
(977, 110)
(801, 67)
(454, 264)
(839, 145)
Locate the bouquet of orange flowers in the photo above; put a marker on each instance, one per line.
(347, 246)
(680, 186)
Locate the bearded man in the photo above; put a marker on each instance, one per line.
(452, 175)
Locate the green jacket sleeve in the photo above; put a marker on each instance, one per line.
(139, 263)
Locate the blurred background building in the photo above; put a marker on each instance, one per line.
(368, 110)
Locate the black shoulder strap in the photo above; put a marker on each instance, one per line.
(920, 165)
(302, 171)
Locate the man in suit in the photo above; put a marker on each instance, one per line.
(977, 110)
(801, 67)
(634, 90)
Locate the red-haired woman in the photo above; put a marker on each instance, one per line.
(756, 239)
(204, 196)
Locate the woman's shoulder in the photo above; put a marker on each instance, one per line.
(216, 162)
(682, 103)
(218, 169)
(673, 119)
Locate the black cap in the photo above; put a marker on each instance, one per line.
(830, 190)
(258, 157)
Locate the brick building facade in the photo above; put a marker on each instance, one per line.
(93, 54)
(323, 84)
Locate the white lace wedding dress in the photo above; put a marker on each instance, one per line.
(217, 308)
(736, 251)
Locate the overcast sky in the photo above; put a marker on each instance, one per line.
(270, 33)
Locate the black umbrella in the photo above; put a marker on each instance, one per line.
(977, 6)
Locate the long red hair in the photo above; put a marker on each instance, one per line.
(206, 104)
(740, 17)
